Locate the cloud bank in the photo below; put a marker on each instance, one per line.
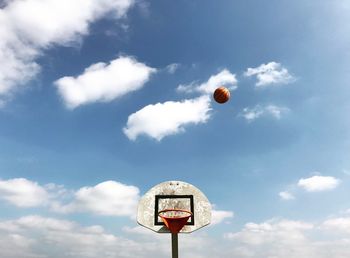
(38, 236)
(292, 239)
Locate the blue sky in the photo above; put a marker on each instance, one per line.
(101, 100)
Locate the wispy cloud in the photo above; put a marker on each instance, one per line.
(318, 183)
(270, 74)
(168, 118)
(172, 68)
(251, 114)
(346, 172)
(103, 82)
(285, 195)
(30, 27)
(223, 78)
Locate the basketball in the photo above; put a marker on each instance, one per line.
(221, 95)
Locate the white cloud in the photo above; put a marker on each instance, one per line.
(346, 172)
(29, 27)
(251, 114)
(103, 82)
(109, 198)
(318, 183)
(218, 216)
(172, 68)
(163, 119)
(270, 74)
(22, 192)
(276, 111)
(223, 78)
(286, 196)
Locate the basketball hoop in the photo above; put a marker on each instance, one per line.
(174, 207)
(175, 219)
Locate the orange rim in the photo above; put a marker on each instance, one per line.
(166, 210)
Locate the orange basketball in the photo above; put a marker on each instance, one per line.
(221, 95)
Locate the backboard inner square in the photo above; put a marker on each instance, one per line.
(183, 202)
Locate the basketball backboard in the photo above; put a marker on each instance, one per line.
(174, 195)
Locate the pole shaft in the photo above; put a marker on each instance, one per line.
(174, 245)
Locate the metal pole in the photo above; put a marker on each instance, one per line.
(174, 245)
